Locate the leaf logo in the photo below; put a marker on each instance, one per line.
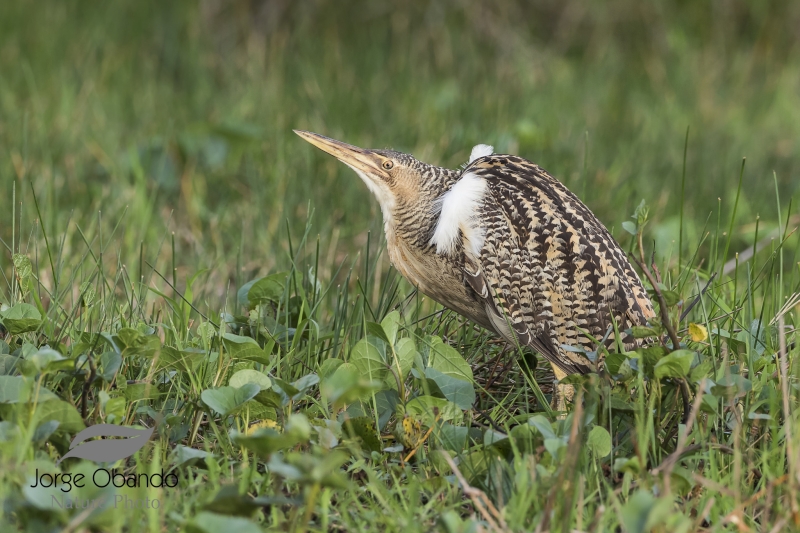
(110, 450)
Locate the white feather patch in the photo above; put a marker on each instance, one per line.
(459, 213)
(480, 150)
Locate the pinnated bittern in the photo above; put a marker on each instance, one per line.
(507, 245)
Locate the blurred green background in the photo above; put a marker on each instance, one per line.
(162, 117)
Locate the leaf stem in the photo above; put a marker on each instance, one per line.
(665, 320)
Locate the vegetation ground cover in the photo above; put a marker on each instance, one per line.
(174, 258)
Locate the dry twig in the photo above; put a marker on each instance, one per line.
(479, 499)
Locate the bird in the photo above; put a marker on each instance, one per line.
(502, 242)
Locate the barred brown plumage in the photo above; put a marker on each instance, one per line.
(507, 245)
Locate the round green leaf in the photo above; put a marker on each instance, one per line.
(225, 400)
(369, 361)
(110, 363)
(613, 362)
(21, 318)
(245, 348)
(376, 330)
(270, 288)
(599, 441)
(641, 332)
(141, 391)
(630, 227)
(427, 407)
(671, 298)
(448, 361)
(674, 365)
(206, 522)
(18, 389)
(47, 358)
(363, 427)
(346, 385)
(731, 386)
(636, 511)
(64, 413)
(329, 366)
(458, 391)
(390, 325)
(243, 377)
(405, 353)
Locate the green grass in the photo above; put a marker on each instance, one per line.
(148, 172)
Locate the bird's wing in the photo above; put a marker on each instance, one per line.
(547, 267)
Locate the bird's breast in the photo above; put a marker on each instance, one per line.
(437, 277)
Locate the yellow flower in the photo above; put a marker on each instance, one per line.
(262, 424)
(411, 432)
(698, 332)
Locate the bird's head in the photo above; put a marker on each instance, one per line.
(396, 179)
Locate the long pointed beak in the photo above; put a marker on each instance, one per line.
(358, 159)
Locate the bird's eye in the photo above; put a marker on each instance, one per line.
(387, 165)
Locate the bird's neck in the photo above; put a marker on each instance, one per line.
(412, 219)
